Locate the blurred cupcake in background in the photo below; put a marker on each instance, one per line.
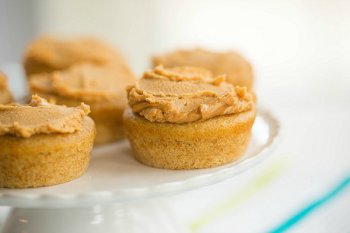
(101, 87)
(85, 69)
(237, 69)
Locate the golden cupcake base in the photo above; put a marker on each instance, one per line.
(201, 144)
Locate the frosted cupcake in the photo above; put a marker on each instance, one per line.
(43, 144)
(183, 118)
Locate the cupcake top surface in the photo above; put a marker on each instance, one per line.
(84, 82)
(62, 53)
(185, 94)
(5, 95)
(237, 69)
(40, 117)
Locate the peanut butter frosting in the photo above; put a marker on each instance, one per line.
(5, 94)
(84, 82)
(185, 94)
(40, 117)
(62, 53)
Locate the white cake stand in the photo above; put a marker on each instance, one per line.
(114, 195)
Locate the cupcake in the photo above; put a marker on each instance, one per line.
(43, 144)
(237, 69)
(102, 88)
(183, 118)
(47, 54)
(5, 94)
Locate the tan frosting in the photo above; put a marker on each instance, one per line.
(185, 94)
(84, 82)
(40, 117)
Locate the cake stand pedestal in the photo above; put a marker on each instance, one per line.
(148, 216)
(117, 193)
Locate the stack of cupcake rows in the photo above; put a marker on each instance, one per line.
(193, 109)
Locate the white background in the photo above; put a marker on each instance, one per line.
(301, 54)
